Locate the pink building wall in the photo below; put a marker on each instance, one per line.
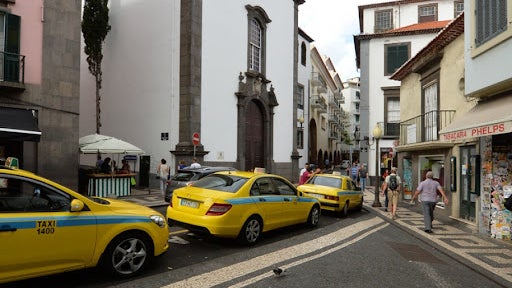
(32, 18)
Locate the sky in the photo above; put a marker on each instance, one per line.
(332, 24)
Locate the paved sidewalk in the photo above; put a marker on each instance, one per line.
(461, 241)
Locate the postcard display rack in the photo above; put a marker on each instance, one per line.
(497, 186)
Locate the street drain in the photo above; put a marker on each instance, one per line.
(414, 253)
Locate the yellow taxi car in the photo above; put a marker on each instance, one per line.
(242, 205)
(335, 192)
(46, 228)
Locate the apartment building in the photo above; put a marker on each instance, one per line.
(351, 119)
(325, 122)
(39, 86)
(390, 34)
(432, 96)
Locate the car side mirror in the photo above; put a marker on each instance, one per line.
(77, 205)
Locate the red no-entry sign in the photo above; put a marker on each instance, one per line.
(195, 138)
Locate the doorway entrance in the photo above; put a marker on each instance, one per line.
(468, 182)
(254, 140)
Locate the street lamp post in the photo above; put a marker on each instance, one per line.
(377, 134)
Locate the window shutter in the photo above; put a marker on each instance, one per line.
(12, 43)
(397, 55)
(491, 19)
(11, 61)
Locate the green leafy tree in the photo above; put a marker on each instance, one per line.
(95, 28)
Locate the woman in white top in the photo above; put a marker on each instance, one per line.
(162, 171)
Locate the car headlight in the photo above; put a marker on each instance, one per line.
(158, 220)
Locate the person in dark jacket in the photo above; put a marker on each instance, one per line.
(105, 166)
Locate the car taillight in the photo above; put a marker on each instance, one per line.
(170, 203)
(335, 198)
(218, 209)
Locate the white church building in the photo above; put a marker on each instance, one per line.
(227, 72)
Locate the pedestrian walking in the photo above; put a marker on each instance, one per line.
(162, 172)
(363, 173)
(386, 202)
(428, 189)
(354, 171)
(392, 185)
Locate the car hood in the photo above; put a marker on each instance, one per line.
(126, 207)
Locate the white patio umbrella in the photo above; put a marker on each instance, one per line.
(92, 138)
(97, 143)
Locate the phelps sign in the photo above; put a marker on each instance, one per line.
(487, 130)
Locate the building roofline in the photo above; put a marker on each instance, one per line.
(383, 4)
(305, 36)
(453, 30)
(392, 33)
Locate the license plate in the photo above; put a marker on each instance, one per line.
(188, 203)
(319, 196)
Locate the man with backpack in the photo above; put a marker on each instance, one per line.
(392, 185)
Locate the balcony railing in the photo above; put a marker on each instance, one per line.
(318, 82)
(12, 70)
(392, 129)
(333, 135)
(425, 127)
(333, 118)
(318, 102)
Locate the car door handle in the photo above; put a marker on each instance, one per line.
(7, 228)
(263, 200)
(287, 199)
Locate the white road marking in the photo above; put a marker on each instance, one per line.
(178, 240)
(237, 270)
(307, 259)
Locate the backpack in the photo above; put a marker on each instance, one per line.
(393, 183)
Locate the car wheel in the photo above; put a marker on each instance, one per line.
(251, 231)
(314, 216)
(344, 210)
(127, 254)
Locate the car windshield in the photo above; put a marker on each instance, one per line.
(220, 182)
(326, 181)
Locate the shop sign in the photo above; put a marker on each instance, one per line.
(494, 129)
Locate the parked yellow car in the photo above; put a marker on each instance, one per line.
(46, 228)
(238, 204)
(335, 192)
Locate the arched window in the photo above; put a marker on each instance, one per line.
(256, 40)
(303, 54)
(255, 45)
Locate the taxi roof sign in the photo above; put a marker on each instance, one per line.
(12, 162)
